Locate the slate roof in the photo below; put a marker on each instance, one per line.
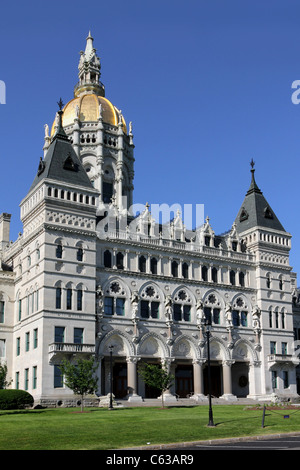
(255, 211)
(61, 163)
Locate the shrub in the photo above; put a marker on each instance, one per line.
(15, 399)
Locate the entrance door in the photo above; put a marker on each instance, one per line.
(120, 380)
(184, 381)
(215, 375)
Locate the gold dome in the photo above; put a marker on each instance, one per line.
(88, 105)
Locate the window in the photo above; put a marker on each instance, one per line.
(268, 281)
(272, 347)
(239, 318)
(59, 334)
(34, 377)
(107, 191)
(107, 259)
(78, 335)
(2, 348)
(149, 309)
(242, 279)
(79, 299)
(58, 377)
(270, 320)
(185, 270)
(284, 349)
(17, 380)
(26, 379)
(232, 277)
(59, 251)
(58, 297)
(114, 305)
(19, 309)
(285, 377)
(120, 260)
(214, 275)
(120, 304)
(35, 338)
(274, 379)
(108, 305)
(18, 345)
(142, 264)
(280, 284)
(153, 265)
(182, 312)
(204, 273)
(283, 320)
(79, 254)
(2, 305)
(174, 269)
(27, 341)
(69, 299)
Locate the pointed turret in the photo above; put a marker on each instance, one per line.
(255, 210)
(89, 71)
(61, 162)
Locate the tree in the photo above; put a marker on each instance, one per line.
(3, 373)
(157, 377)
(79, 377)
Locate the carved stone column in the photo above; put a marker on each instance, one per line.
(227, 381)
(198, 380)
(132, 379)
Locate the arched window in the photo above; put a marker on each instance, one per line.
(214, 275)
(268, 280)
(120, 260)
(58, 297)
(107, 259)
(242, 279)
(212, 309)
(59, 250)
(185, 270)
(69, 298)
(142, 264)
(240, 312)
(150, 303)
(182, 306)
(114, 300)
(79, 254)
(153, 265)
(174, 269)
(79, 298)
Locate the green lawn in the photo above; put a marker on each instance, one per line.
(99, 428)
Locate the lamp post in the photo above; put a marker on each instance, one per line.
(210, 413)
(111, 378)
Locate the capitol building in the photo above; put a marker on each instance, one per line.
(87, 275)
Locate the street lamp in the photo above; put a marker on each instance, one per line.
(111, 378)
(210, 413)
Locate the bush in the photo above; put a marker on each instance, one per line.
(15, 399)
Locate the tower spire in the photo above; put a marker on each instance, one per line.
(89, 70)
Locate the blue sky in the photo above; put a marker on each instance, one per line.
(207, 85)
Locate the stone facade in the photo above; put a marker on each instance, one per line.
(87, 274)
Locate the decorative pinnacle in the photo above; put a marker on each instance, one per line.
(252, 163)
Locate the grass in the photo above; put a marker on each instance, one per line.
(100, 429)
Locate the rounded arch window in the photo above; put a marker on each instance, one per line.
(240, 312)
(182, 306)
(114, 299)
(150, 302)
(212, 308)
